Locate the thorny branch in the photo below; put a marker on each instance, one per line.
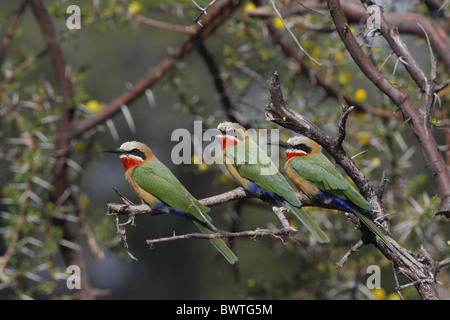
(419, 267)
(59, 179)
(131, 211)
(211, 22)
(418, 118)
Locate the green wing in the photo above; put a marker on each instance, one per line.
(309, 223)
(317, 169)
(369, 223)
(159, 181)
(255, 165)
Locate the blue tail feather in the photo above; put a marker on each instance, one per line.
(349, 207)
(262, 193)
(330, 199)
(165, 207)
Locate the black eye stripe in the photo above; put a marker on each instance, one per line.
(303, 147)
(138, 153)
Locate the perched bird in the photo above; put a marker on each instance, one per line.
(156, 185)
(313, 174)
(252, 168)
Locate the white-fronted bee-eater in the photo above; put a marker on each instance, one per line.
(253, 169)
(313, 174)
(156, 185)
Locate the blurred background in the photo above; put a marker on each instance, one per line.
(119, 43)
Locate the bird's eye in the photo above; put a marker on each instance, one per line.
(135, 151)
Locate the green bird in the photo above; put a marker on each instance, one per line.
(156, 185)
(313, 174)
(252, 168)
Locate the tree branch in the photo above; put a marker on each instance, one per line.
(211, 22)
(11, 30)
(417, 121)
(418, 267)
(59, 179)
(331, 91)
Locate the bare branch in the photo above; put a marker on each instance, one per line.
(342, 122)
(211, 22)
(11, 30)
(418, 122)
(352, 250)
(292, 35)
(258, 233)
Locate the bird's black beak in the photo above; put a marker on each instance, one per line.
(116, 150)
(281, 144)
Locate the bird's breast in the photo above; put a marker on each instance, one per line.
(303, 185)
(146, 196)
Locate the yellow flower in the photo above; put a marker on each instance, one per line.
(134, 8)
(393, 296)
(307, 44)
(344, 77)
(364, 137)
(376, 162)
(360, 95)
(380, 294)
(94, 106)
(249, 6)
(316, 52)
(80, 146)
(84, 201)
(196, 159)
(223, 178)
(251, 282)
(202, 166)
(278, 23)
(339, 56)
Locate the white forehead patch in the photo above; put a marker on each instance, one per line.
(224, 126)
(298, 140)
(128, 146)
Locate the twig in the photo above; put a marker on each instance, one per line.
(258, 233)
(397, 284)
(443, 263)
(205, 220)
(352, 250)
(212, 21)
(222, 92)
(160, 24)
(11, 30)
(292, 35)
(342, 122)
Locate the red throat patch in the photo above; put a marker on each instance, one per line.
(292, 154)
(130, 162)
(226, 141)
